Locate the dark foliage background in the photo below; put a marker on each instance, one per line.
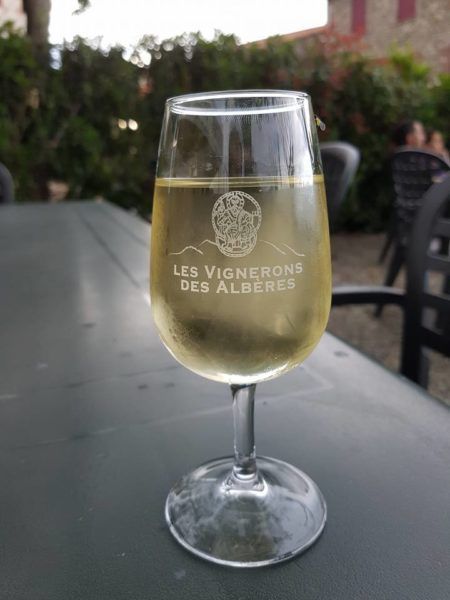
(59, 119)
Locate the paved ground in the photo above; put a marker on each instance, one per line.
(355, 261)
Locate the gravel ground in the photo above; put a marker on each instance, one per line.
(354, 258)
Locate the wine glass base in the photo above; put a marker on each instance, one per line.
(246, 524)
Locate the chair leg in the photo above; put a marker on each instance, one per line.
(443, 319)
(395, 265)
(386, 246)
(397, 260)
(424, 369)
(416, 366)
(391, 234)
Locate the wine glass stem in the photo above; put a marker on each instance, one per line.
(244, 468)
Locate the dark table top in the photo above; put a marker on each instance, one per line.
(97, 421)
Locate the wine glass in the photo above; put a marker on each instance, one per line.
(240, 289)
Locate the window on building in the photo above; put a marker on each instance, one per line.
(406, 10)
(358, 16)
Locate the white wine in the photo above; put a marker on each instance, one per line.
(240, 273)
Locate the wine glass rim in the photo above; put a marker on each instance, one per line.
(186, 104)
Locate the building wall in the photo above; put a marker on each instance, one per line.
(427, 34)
(12, 10)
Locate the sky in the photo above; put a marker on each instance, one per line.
(126, 21)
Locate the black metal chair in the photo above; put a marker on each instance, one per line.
(340, 162)
(6, 186)
(426, 322)
(413, 173)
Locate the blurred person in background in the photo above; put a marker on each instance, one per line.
(409, 135)
(435, 143)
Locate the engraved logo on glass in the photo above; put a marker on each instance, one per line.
(236, 218)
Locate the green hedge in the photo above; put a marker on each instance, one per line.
(60, 121)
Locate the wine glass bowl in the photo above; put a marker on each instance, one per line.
(241, 288)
